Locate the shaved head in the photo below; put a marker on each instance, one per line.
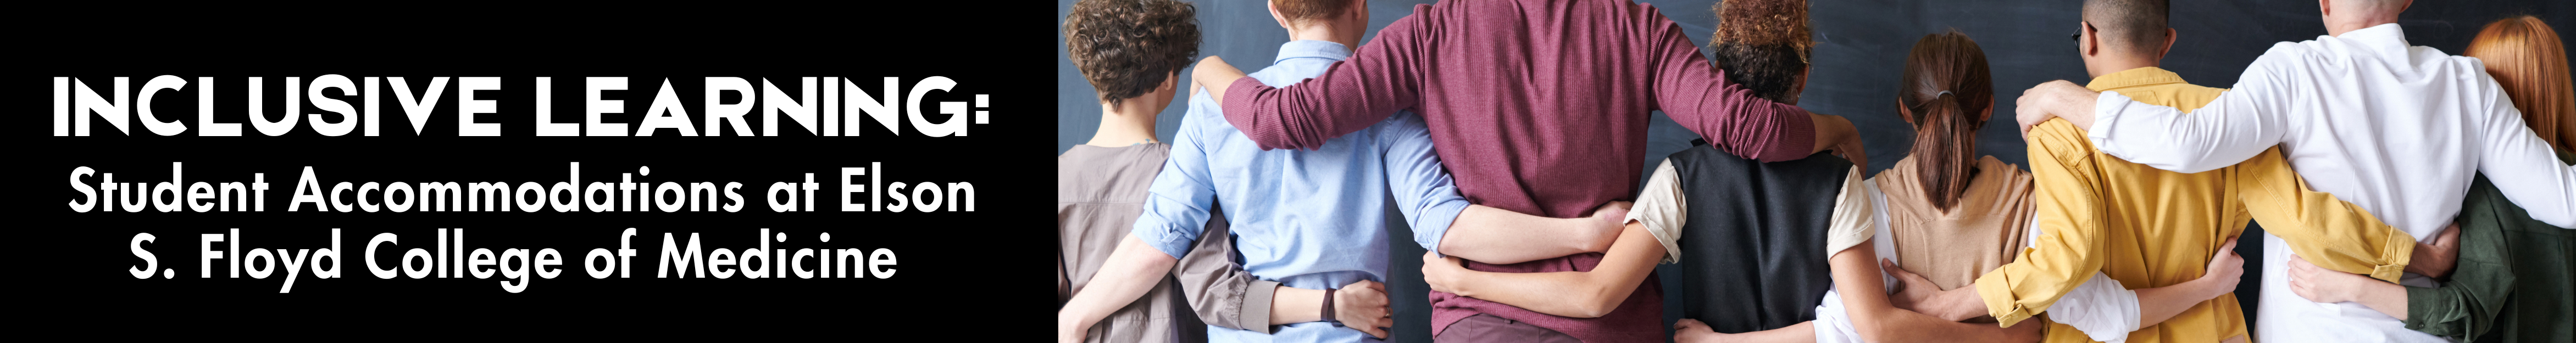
(2378, 7)
(2132, 26)
(2381, 3)
(2348, 15)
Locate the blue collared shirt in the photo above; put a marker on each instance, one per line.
(1312, 219)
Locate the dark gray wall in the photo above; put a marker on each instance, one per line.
(1862, 45)
(1861, 48)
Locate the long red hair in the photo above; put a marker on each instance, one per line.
(2527, 57)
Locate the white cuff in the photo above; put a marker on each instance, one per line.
(1662, 209)
(2101, 308)
(1832, 324)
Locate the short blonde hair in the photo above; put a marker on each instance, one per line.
(2527, 57)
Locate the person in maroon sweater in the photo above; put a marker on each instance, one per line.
(1538, 106)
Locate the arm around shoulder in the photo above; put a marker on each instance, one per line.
(2243, 121)
(1378, 79)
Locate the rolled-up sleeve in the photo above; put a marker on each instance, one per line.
(1662, 210)
(2483, 283)
(2318, 227)
(1177, 206)
(2069, 215)
(1423, 190)
(1218, 288)
(2466, 307)
(2103, 309)
(1851, 223)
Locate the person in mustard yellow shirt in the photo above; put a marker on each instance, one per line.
(2154, 231)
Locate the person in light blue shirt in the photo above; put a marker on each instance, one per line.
(1307, 220)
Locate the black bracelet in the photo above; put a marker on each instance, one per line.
(1328, 308)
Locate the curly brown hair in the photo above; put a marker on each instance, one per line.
(1127, 47)
(1763, 45)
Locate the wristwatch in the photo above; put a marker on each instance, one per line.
(1328, 308)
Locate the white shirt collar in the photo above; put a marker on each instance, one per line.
(2384, 37)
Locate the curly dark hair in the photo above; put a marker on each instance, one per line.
(1127, 47)
(1762, 45)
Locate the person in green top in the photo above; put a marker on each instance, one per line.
(2513, 276)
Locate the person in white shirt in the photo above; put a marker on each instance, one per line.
(2355, 112)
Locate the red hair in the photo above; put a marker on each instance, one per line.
(2528, 58)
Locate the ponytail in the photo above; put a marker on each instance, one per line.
(1946, 87)
(1944, 150)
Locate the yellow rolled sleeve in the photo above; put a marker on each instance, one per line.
(1997, 291)
(2324, 230)
(2068, 211)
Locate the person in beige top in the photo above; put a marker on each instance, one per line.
(1980, 230)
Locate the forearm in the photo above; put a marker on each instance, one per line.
(2075, 104)
(1497, 236)
(1954, 305)
(1857, 278)
(2387, 298)
(1132, 270)
(1378, 79)
(1907, 326)
(2155, 305)
(2317, 226)
(1803, 332)
(1571, 294)
(1566, 294)
(2483, 283)
(1219, 290)
(1217, 77)
(1293, 305)
(1831, 132)
(2431, 261)
(2456, 309)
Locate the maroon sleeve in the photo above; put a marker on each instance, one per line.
(1699, 97)
(1382, 77)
